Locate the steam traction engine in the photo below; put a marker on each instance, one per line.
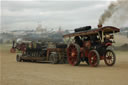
(91, 46)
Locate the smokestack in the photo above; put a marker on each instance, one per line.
(99, 25)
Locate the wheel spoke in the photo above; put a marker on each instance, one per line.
(107, 54)
(109, 61)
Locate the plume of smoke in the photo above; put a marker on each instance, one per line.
(117, 12)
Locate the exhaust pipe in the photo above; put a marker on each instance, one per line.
(99, 25)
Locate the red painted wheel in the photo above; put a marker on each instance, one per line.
(73, 53)
(94, 58)
(12, 50)
(110, 58)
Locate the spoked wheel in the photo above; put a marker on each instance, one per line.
(73, 52)
(54, 58)
(94, 58)
(18, 58)
(12, 50)
(110, 58)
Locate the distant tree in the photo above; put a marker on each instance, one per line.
(1, 41)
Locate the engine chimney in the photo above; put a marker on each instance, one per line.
(99, 25)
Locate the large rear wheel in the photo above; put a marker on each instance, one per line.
(73, 53)
(94, 58)
(110, 58)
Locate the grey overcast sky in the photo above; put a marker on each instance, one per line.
(69, 14)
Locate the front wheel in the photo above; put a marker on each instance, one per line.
(110, 58)
(94, 58)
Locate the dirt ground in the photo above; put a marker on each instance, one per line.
(26, 73)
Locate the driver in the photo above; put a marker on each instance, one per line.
(78, 41)
(107, 38)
